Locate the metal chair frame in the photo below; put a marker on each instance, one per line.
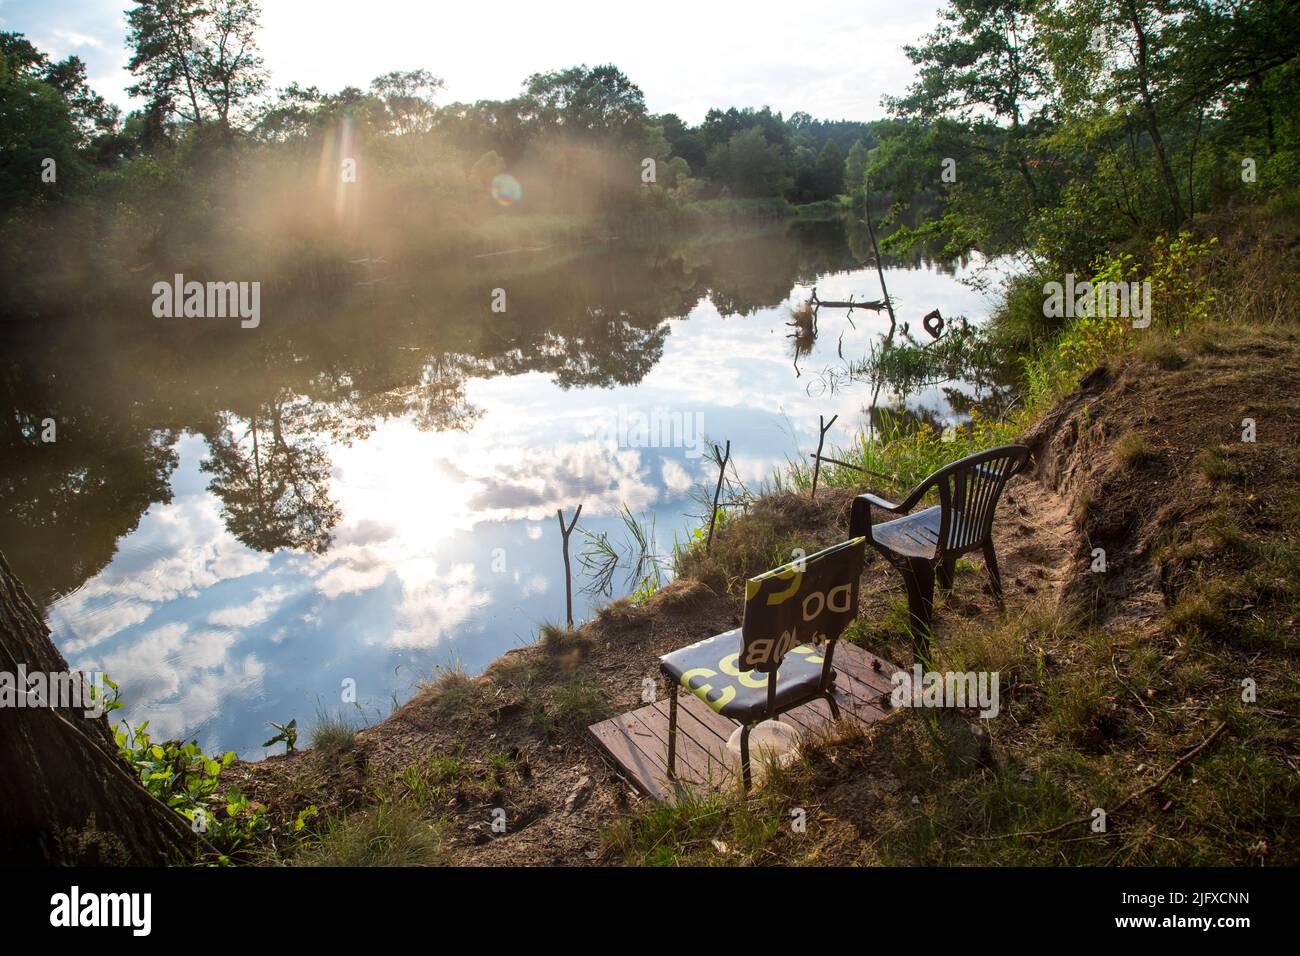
(755, 626)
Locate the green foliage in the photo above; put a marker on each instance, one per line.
(830, 170)
(287, 733)
(901, 452)
(182, 777)
(578, 704)
(695, 830)
(748, 164)
(596, 102)
(1068, 128)
(1180, 296)
(963, 353)
(36, 125)
(1019, 324)
(407, 96)
(1180, 283)
(855, 168)
(1109, 120)
(601, 558)
(196, 61)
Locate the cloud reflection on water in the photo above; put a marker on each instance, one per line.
(445, 547)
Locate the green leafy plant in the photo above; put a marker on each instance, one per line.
(185, 779)
(111, 703)
(1180, 283)
(287, 733)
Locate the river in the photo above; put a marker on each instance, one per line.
(239, 525)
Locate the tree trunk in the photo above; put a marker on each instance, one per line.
(66, 796)
(1149, 111)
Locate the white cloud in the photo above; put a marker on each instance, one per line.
(179, 679)
(351, 571)
(178, 550)
(676, 477)
(79, 628)
(433, 609)
(71, 38)
(534, 585)
(252, 612)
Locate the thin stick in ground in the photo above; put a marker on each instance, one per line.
(722, 460)
(824, 426)
(568, 575)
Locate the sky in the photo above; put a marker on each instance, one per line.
(834, 59)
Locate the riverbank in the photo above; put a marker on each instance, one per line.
(515, 737)
(1157, 689)
(1122, 689)
(1108, 679)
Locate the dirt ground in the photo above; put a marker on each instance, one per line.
(562, 791)
(1095, 485)
(1149, 464)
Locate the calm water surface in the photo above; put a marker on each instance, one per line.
(232, 523)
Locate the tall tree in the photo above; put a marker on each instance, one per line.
(748, 164)
(980, 60)
(67, 797)
(38, 123)
(163, 37)
(592, 102)
(408, 99)
(855, 166)
(194, 60)
(830, 170)
(68, 76)
(230, 66)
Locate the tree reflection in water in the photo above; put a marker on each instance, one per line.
(272, 476)
(326, 367)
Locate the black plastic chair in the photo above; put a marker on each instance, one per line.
(926, 545)
(740, 673)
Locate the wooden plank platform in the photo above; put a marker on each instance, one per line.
(637, 741)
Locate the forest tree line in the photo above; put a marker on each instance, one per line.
(1057, 127)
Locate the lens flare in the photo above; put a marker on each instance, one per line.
(506, 189)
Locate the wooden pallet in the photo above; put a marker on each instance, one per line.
(637, 741)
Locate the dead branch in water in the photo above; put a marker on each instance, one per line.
(875, 305)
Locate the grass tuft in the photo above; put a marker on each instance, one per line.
(559, 641)
(387, 834)
(577, 704)
(1131, 448)
(454, 691)
(333, 734)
